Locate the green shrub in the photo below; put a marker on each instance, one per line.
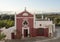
(6, 23)
(2, 36)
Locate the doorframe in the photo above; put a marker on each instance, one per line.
(23, 28)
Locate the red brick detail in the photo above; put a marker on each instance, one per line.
(32, 32)
(18, 28)
(30, 20)
(46, 32)
(18, 34)
(40, 32)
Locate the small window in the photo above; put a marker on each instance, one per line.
(40, 25)
(25, 23)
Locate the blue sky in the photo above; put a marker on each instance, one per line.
(31, 5)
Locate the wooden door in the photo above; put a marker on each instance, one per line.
(12, 36)
(25, 32)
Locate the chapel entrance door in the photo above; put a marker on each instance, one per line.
(25, 32)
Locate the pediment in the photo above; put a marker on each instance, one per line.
(24, 14)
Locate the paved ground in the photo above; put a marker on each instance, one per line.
(34, 39)
(52, 40)
(58, 31)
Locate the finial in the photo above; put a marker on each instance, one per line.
(25, 8)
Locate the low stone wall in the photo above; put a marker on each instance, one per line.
(2, 41)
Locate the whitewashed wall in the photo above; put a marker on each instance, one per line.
(44, 24)
(8, 32)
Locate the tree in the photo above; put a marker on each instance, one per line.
(4, 16)
(58, 20)
(6, 23)
(2, 24)
(12, 17)
(9, 23)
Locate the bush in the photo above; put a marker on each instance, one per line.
(9, 23)
(6, 23)
(2, 24)
(2, 36)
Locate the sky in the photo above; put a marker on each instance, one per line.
(31, 5)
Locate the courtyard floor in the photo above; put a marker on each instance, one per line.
(33, 39)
